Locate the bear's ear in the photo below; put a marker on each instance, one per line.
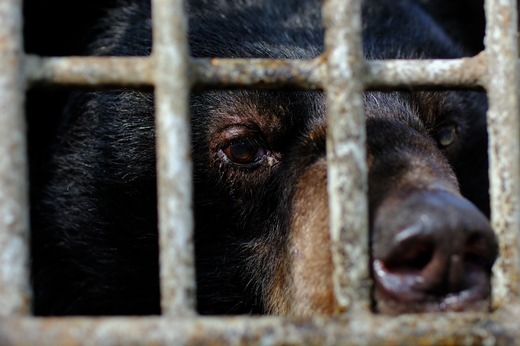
(463, 20)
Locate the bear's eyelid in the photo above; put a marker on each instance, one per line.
(234, 133)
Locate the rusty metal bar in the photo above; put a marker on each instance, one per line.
(14, 216)
(464, 73)
(346, 155)
(364, 329)
(267, 73)
(174, 167)
(342, 68)
(254, 73)
(504, 145)
(89, 71)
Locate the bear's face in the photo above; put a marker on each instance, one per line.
(260, 173)
(262, 156)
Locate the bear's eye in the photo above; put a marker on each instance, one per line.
(244, 152)
(447, 135)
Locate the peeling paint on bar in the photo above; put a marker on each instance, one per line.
(14, 215)
(174, 167)
(362, 329)
(89, 71)
(225, 73)
(346, 155)
(254, 73)
(504, 145)
(464, 73)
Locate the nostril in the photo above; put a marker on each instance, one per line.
(410, 256)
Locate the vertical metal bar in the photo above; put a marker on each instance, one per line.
(504, 144)
(14, 220)
(174, 168)
(347, 174)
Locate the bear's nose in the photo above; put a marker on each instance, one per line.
(432, 251)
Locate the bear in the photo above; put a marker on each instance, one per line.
(260, 174)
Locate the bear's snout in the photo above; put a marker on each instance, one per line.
(432, 251)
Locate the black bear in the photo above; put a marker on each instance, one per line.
(260, 201)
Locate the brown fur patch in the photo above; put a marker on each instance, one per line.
(303, 284)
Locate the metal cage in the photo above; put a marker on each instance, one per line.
(343, 74)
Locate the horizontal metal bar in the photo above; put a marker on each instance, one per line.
(254, 73)
(462, 73)
(225, 73)
(89, 71)
(363, 329)
(204, 73)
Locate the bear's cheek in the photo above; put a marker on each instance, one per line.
(303, 285)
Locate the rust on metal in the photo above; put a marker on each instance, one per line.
(267, 73)
(464, 73)
(174, 167)
(14, 215)
(363, 329)
(346, 155)
(504, 145)
(89, 71)
(207, 73)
